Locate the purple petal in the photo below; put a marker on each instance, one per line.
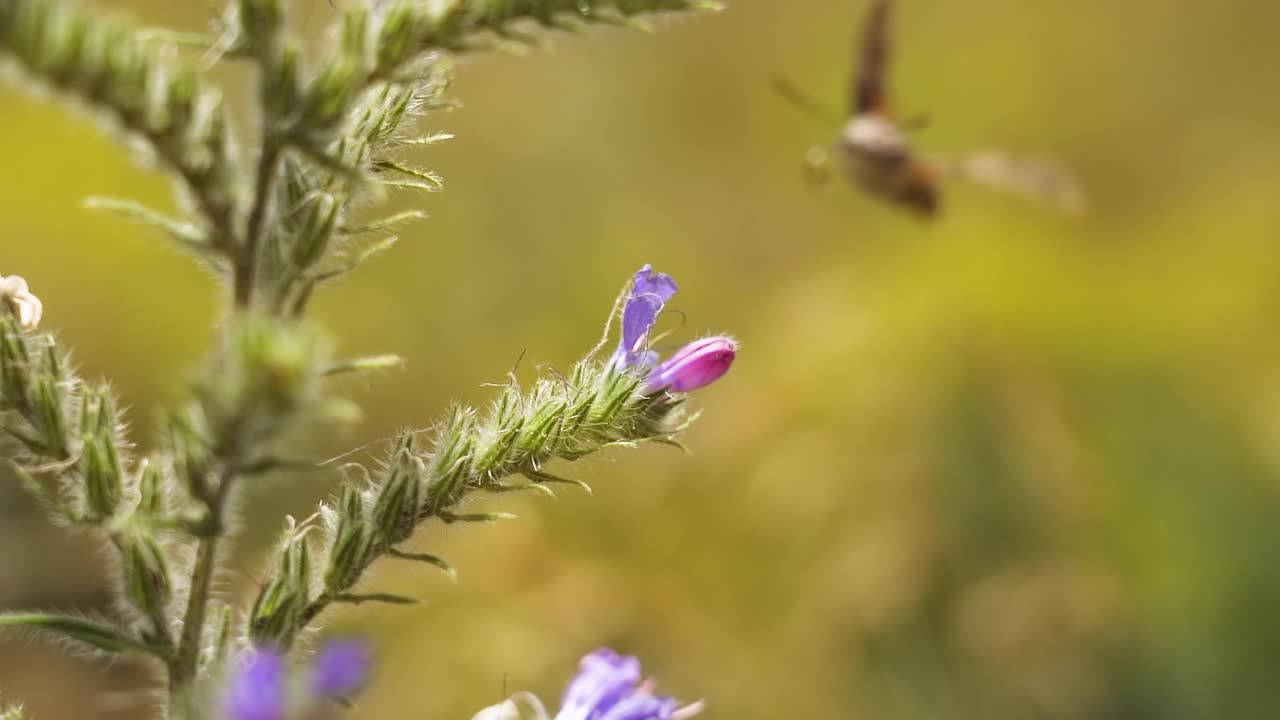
(650, 291)
(648, 282)
(696, 365)
(604, 679)
(340, 669)
(642, 707)
(256, 690)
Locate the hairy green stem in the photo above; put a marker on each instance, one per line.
(251, 254)
(182, 669)
(156, 616)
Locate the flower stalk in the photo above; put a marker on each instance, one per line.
(276, 226)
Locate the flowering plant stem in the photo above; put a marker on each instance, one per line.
(246, 276)
(276, 229)
(182, 667)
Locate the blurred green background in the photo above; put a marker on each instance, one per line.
(1003, 465)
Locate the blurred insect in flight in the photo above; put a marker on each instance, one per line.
(875, 155)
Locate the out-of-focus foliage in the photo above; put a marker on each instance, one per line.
(1005, 465)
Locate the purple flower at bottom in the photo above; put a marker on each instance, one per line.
(604, 678)
(340, 669)
(643, 707)
(262, 686)
(695, 365)
(257, 688)
(608, 687)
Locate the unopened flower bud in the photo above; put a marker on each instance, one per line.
(274, 617)
(146, 574)
(696, 365)
(348, 556)
(316, 231)
(152, 492)
(102, 476)
(329, 93)
(15, 378)
(395, 511)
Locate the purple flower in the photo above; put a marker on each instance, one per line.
(650, 291)
(262, 687)
(643, 707)
(256, 690)
(340, 669)
(695, 365)
(608, 687)
(604, 678)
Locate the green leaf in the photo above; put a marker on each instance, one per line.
(385, 223)
(431, 139)
(358, 259)
(520, 487)
(355, 599)
(98, 635)
(43, 495)
(363, 364)
(429, 186)
(426, 176)
(475, 517)
(185, 234)
(428, 559)
(543, 477)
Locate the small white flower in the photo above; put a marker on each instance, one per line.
(17, 296)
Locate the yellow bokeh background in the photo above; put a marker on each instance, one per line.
(1005, 464)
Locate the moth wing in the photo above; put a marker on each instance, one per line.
(1037, 178)
(871, 61)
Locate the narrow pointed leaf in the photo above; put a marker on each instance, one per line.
(521, 487)
(431, 139)
(424, 175)
(385, 223)
(355, 599)
(542, 477)
(43, 495)
(429, 559)
(358, 259)
(185, 233)
(476, 517)
(98, 635)
(364, 364)
(413, 185)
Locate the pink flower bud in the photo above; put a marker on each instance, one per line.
(695, 365)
